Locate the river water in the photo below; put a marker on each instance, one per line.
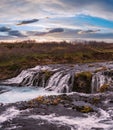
(55, 80)
(14, 94)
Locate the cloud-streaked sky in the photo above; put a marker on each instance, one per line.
(56, 19)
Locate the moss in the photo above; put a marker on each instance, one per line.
(96, 100)
(84, 109)
(82, 82)
(87, 75)
(40, 99)
(49, 101)
(103, 88)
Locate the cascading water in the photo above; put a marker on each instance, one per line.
(49, 78)
(58, 111)
(98, 80)
(61, 78)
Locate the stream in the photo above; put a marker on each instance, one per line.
(59, 97)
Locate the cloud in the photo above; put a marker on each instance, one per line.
(38, 33)
(98, 8)
(16, 33)
(56, 30)
(64, 18)
(35, 33)
(28, 21)
(87, 31)
(47, 8)
(4, 29)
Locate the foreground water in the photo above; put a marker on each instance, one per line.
(74, 110)
(21, 116)
(14, 94)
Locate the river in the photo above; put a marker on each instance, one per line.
(65, 97)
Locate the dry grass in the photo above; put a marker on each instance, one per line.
(17, 56)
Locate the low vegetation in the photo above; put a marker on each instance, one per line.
(82, 82)
(84, 109)
(14, 57)
(45, 100)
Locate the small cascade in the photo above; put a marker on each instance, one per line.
(98, 80)
(59, 83)
(63, 78)
(53, 79)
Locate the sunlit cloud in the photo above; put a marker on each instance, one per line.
(57, 19)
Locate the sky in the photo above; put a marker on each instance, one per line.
(56, 20)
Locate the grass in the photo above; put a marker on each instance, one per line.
(15, 57)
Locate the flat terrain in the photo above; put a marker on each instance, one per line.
(14, 57)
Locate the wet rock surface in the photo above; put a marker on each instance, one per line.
(84, 78)
(44, 113)
(89, 106)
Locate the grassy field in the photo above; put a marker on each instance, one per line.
(14, 57)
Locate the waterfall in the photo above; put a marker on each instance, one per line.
(98, 80)
(52, 79)
(61, 78)
(59, 82)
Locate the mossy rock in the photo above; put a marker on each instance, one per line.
(96, 100)
(84, 109)
(82, 82)
(104, 88)
(48, 100)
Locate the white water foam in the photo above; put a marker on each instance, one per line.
(9, 114)
(27, 73)
(16, 94)
(78, 123)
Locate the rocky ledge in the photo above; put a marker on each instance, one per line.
(55, 112)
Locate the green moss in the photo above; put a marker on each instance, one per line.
(84, 109)
(96, 100)
(85, 75)
(49, 101)
(82, 82)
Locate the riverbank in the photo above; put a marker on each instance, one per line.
(86, 104)
(15, 57)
